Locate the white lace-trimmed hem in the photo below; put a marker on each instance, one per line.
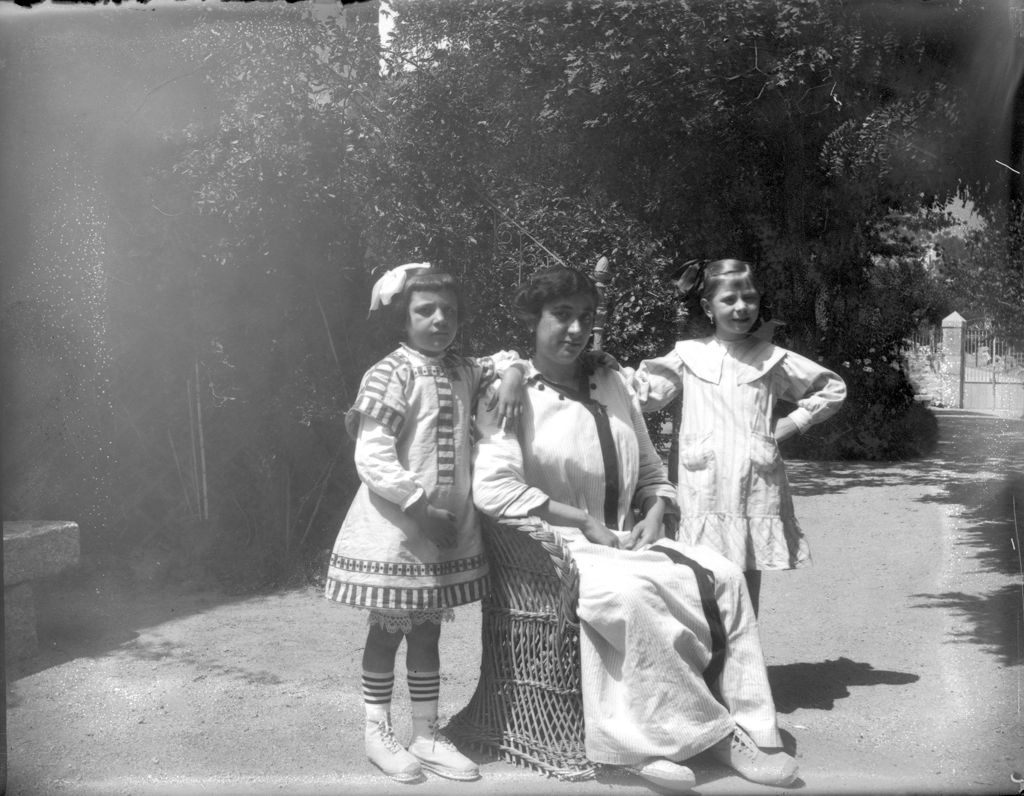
(403, 621)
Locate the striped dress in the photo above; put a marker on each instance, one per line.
(670, 656)
(733, 493)
(411, 420)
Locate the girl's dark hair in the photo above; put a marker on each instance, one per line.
(397, 312)
(717, 272)
(546, 286)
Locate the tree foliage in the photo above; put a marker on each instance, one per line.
(785, 133)
(503, 137)
(810, 137)
(981, 274)
(252, 264)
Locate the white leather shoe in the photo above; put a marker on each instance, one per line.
(665, 774)
(389, 755)
(439, 755)
(738, 751)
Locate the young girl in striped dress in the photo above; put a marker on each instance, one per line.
(733, 493)
(410, 547)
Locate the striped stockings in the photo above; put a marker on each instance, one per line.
(424, 688)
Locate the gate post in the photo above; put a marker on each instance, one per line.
(953, 341)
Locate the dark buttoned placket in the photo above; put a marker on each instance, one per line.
(609, 455)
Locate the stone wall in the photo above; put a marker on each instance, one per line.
(32, 551)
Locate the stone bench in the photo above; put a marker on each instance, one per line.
(32, 550)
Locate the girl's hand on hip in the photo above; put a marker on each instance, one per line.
(785, 429)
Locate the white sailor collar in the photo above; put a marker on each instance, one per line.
(704, 357)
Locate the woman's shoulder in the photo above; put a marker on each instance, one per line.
(604, 376)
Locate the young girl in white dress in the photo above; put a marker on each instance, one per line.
(410, 547)
(733, 493)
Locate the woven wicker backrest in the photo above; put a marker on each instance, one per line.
(528, 705)
(532, 569)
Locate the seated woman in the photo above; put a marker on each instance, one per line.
(670, 655)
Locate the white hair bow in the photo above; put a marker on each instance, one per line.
(392, 283)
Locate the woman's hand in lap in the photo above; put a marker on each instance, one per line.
(598, 534)
(646, 532)
(651, 526)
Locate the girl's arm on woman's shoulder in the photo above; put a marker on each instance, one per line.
(488, 369)
(656, 381)
(500, 379)
(816, 390)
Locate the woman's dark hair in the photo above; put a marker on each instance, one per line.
(397, 312)
(546, 286)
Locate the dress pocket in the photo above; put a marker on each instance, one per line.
(695, 451)
(764, 453)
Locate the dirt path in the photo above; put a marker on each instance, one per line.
(905, 663)
(896, 660)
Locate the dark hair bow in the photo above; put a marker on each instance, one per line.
(689, 277)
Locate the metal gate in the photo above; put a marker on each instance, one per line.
(991, 373)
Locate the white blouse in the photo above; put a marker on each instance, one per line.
(589, 451)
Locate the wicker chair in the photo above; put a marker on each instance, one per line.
(528, 708)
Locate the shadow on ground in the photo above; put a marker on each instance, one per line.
(985, 457)
(977, 472)
(817, 686)
(104, 603)
(995, 619)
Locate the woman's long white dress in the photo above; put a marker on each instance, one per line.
(650, 627)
